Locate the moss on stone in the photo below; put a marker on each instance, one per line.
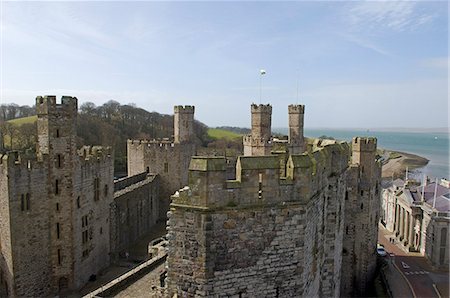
(200, 163)
(258, 162)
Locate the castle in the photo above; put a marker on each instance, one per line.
(63, 218)
(298, 219)
(293, 222)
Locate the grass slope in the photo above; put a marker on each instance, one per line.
(20, 121)
(222, 134)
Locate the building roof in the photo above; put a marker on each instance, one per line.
(398, 182)
(442, 203)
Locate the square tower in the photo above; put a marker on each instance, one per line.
(183, 124)
(296, 120)
(259, 142)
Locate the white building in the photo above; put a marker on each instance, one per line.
(419, 216)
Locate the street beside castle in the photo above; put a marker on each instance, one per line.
(410, 274)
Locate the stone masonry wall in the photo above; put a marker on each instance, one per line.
(170, 161)
(25, 204)
(93, 196)
(134, 212)
(261, 234)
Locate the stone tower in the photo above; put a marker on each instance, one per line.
(296, 119)
(259, 142)
(56, 126)
(361, 217)
(183, 124)
(54, 214)
(167, 158)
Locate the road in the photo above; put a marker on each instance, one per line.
(415, 269)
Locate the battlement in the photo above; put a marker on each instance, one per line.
(26, 159)
(94, 152)
(250, 139)
(184, 109)
(259, 179)
(163, 144)
(47, 105)
(364, 144)
(296, 109)
(261, 108)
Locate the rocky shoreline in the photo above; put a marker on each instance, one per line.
(396, 163)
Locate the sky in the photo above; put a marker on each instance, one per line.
(352, 64)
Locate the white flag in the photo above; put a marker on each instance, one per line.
(262, 71)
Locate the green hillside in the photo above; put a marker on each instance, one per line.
(24, 120)
(216, 133)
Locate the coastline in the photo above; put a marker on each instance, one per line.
(396, 163)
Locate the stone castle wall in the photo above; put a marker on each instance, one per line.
(54, 220)
(135, 210)
(24, 227)
(93, 195)
(261, 234)
(168, 159)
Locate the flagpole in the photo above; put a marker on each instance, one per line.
(260, 88)
(298, 79)
(261, 73)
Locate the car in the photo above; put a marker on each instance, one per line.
(381, 251)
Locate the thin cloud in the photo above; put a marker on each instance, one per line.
(397, 16)
(366, 44)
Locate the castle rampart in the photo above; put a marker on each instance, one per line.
(60, 196)
(135, 210)
(167, 158)
(242, 231)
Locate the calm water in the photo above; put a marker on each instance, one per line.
(433, 146)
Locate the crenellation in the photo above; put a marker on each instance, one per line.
(278, 228)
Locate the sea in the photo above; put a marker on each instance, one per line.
(434, 146)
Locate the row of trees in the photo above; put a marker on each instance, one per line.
(13, 111)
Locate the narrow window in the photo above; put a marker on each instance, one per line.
(59, 257)
(362, 206)
(78, 202)
(57, 133)
(346, 230)
(106, 190)
(57, 230)
(101, 230)
(58, 160)
(362, 192)
(346, 195)
(57, 206)
(166, 167)
(56, 187)
(96, 189)
(260, 186)
(148, 169)
(27, 202)
(22, 202)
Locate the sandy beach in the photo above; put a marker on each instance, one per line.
(399, 161)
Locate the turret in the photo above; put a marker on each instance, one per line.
(296, 120)
(259, 142)
(261, 121)
(56, 121)
(183, 124)
(363, 154)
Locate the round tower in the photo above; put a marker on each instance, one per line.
(183, 124)
(296, 120)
